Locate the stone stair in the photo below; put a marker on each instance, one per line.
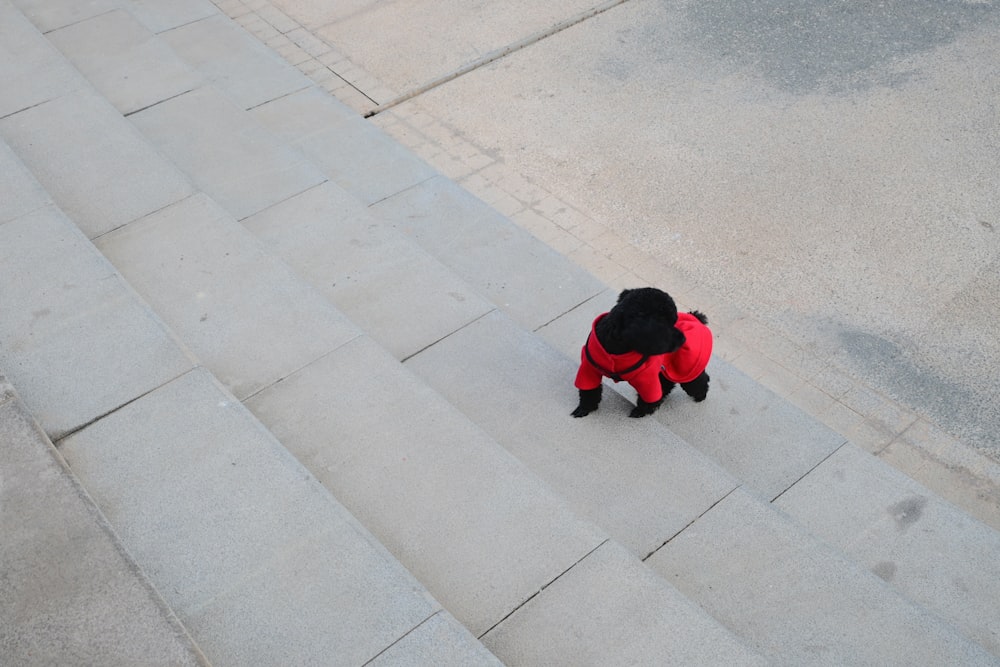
(320, 395)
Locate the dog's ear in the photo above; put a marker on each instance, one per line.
(624, 294)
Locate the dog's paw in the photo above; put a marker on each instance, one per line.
(643, 408)
(589, 400)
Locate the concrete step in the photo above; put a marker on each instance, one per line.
(801, 601)
(215, 285)
(243, 314)
(225, 153)
(528, 280)
(490, 256)
(390, 287)
(764, 441)
(628, 476)
(96, 167)
(71, 594)
(501, 551)
(925, 547)
(31, 69)
(760, 438)
(852, 500)
(478, 530)
(65, 312)
(255, 556)
(197, 490)
(180, 256)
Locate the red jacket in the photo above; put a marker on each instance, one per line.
(682, 365)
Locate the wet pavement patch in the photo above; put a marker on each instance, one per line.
(810, 46)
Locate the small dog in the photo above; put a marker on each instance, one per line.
(644, 341)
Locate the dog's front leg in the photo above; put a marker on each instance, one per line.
(589, 400)
(643, 408)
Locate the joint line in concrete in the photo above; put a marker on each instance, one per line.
(496, 55)
(536, 593)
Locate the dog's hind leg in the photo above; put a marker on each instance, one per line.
(697, 388)
(666, 384)
(589, 400)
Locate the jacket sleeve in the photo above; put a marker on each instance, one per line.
(587, 377)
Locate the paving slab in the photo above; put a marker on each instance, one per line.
(355, 155)
(31, 70)
(926, 548)
(159, 16)
(74, 338)
(386, 284)
(632, 477)
(93, 163)
(527, 279)
(20, 192)
(610, 609)
(126, 62)
(71, 595)
(49, 15)
(260, 563)
(244, 314)
(436, 642)
(466, 518)
(797, 600)
(235, 61)
(759, 437)
(438, 37)
(225, 153)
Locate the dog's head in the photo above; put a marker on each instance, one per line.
(643, 320)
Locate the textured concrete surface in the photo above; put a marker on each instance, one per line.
(225, 153)
(611, 596)
(479, 530)
(385, 283)
(799, 600)
(436, 642)
(632, 477)
(528, 280)
(98, 169)
(241, 312)
(245, 69)
(352, 153)
(162, 16)
(31, 69)
(70, 593)
(21, 192)
(120, 57)
(926, 548)
(63, 301)
(262, 565)
(49, 15)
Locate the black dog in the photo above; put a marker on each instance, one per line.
(644, 341)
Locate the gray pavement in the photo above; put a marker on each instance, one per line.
(832, 170)
(826, 175)
(312, 394)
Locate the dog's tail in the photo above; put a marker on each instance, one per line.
(700, 315)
